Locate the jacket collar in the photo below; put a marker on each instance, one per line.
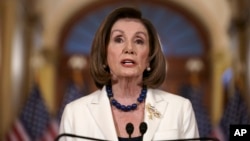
(153, 113)
(101, 110)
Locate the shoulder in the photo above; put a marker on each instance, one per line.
(173, 100)
(170, 97)
(177, 106)
(83, 101)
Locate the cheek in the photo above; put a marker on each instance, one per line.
(112, 56)
(109, 58)
(145, 58)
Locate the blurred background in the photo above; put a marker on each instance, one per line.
(45, 47)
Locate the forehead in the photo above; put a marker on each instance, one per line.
(129, 24)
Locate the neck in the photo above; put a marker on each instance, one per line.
(126, 89)
(127, 104)
(126, 86)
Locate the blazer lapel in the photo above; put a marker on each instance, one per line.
(101, 111)
(158, 104)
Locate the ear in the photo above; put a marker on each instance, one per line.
(148, 63)
(148, 68)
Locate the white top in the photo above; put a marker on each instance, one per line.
(91, 116)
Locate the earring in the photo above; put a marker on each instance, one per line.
(104, 66)
(148, 69)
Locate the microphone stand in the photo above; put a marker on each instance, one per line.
(77, 136)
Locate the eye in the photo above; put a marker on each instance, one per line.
(118, 39)
(139, 41)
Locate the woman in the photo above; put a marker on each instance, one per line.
(127, 65)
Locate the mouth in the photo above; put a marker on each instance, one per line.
(128, 62)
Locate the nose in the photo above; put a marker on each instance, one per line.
(126, 51)
(129, 49)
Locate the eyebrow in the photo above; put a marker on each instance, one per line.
(116, 30)
(143, 33)
(139, 32)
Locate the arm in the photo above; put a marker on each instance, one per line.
(190, 129)
(65, 125)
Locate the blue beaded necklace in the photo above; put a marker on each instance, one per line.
(125, 108)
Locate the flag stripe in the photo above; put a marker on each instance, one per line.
(17, 133)
(12, 137)
(20, 132)
(51, 133)
(34, 121)
(54, 128)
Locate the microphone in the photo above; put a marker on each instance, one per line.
(130, 129)
(143, 128)
(76, 136)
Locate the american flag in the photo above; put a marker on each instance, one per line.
(73, 92)
(236, 112)
(195, 95)
(34, 122)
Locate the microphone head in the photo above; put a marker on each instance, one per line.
(143, 128)
(130, 128)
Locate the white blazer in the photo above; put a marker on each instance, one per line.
(91, 116)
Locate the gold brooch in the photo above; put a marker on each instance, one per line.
(153, 112)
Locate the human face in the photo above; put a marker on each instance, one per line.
(128, 49)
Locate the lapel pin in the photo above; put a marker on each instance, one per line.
(153, 112)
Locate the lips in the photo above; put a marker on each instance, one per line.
(128, 62)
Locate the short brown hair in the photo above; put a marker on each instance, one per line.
(101, 75)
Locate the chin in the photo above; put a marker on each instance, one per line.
(130, 75)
